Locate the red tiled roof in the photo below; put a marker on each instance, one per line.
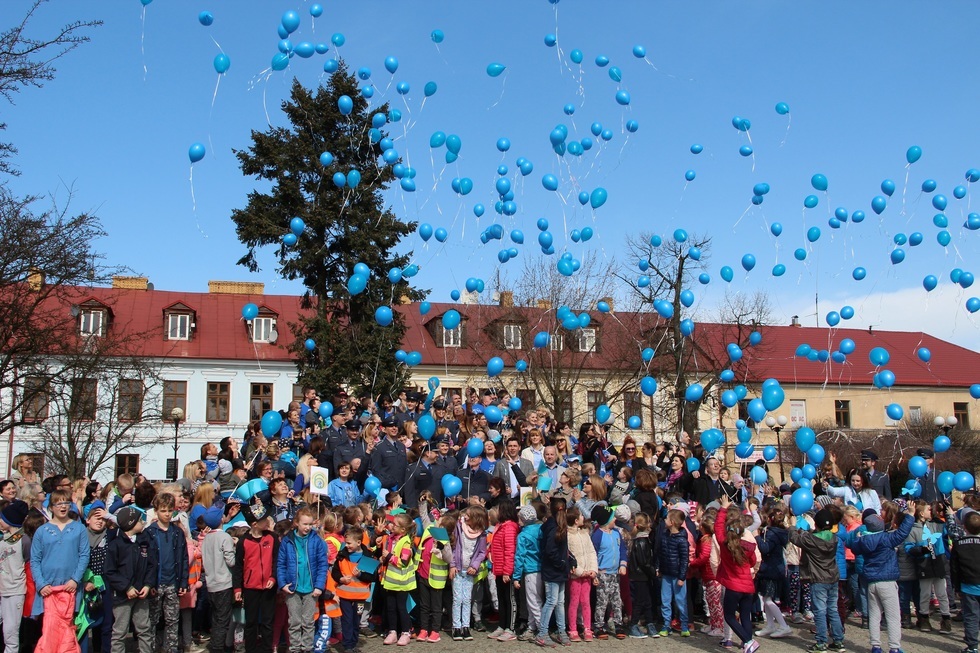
(220, 334)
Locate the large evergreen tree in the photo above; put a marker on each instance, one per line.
(344, 226)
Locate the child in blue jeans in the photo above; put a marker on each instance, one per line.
(672, 570)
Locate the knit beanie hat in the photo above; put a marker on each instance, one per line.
(874, 523)
(15, 513)
(823, 520)
(527, 514)
(601, 515)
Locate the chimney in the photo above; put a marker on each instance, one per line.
(609, 300)
(35, 279)
(120, 282)
(506, 298)
(796, 322)
(544, 304)
(236, 287)
(404, 300)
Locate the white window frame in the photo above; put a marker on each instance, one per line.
(797, 413)
(452, 337)
(182, 322)
(91, 322)
(512, 336)
(584, 336)
(556, 342)
(262, 328)
(915, 414)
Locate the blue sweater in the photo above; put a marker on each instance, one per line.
(878, 549)
(58, 556)
(609, 554)
(528, 557)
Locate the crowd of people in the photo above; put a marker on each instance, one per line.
(479, 522)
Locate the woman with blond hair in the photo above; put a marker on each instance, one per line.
(592, 494)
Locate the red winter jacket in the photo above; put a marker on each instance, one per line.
(255, 562)
(733, 576)
(702, 562)
(503, 548)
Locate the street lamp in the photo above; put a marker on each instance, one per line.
(177, 416)
(945, 423)
(777, 424)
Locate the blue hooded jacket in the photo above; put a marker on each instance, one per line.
(878, 550)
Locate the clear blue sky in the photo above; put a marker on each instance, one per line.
(864, 81)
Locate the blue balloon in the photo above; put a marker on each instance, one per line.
(819, 182)
(450, 319)
(345, 104)
(775, 229)
(222, 63)
(815, 454)
(602, 414)
(729, 398)
(694, 392)
(918, 466)
(727, 274)
(271, 423)
(745, 150)
(549, 181)
(944, 482)
(697, 149)
(769, 453)
(437, 36)
(648, 385)
(250, 311)
(493, 415)
(894, 411)
(356, 284)
(878, 204)
(805, 438)
(693, 464)
(196, 152)
(384, 316)
(495, 366)
(290, 20)
(879, 356)
(913, 154)
(963, 481)
(748, 262)
(757, 410)
(810, 201)
(451, 486)
(495, 69)
(690, 175)
(727, 376)
(598, 197)
(772, 398)
(801, 501)
(813, 234)
(206, 18)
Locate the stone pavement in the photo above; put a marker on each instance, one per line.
(856, 640)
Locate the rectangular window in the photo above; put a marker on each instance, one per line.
(262, 329)
(586, 340)
(298, 392)
(529, 399)
(595, 398)
(260, 400)
(84, 401)
(35, 408)
(452, 337)
(557, 342)
(563, 406)
(915, 414)
(219, 398)
(961, 411)
(797, 413)
(174, 396)
(130, 400)
(127, 463)
(842, 413)
(888, 420)
(512, 336)
(743, 413)
(90, 322)
(38, 463)
(178, 326)
(633, 405)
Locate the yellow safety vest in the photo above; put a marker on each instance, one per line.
(400, 579)
(438, 568)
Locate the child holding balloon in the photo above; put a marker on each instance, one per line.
(925, 544)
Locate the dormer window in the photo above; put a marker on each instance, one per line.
(512, 336)
(91, 322)
(452, 337)
(586, 340)
(263, 328)
(179, 326)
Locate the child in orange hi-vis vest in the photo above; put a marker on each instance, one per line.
(332, 527)
(350, 581)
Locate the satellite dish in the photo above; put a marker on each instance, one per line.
(273, 336)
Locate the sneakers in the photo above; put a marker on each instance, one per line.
(620, 632)
(750, 646)
(685, 633)
(405, 639)
(588, 636)
(715, 632)
(466, 635)
(423, 635)
(457, 634)
(392, 638)
(544, 642)
(636, 633)
(433, 637)
(495, 634)
(838, 646)
(946, 624)
(875, 649)
(966, 650)
(368, 633)
(601, 634)
(564, 639)
(663, 633)
(808, 615)
(726, 644)
(507, 636)
(780, 633)
(817, 648)
(526, 635)
(798, 618)
(573, 636)
(765, 632)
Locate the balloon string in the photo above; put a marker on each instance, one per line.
(197, 220)
(905, 187)
(143, 41)
(789, 123)
(503, 87)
